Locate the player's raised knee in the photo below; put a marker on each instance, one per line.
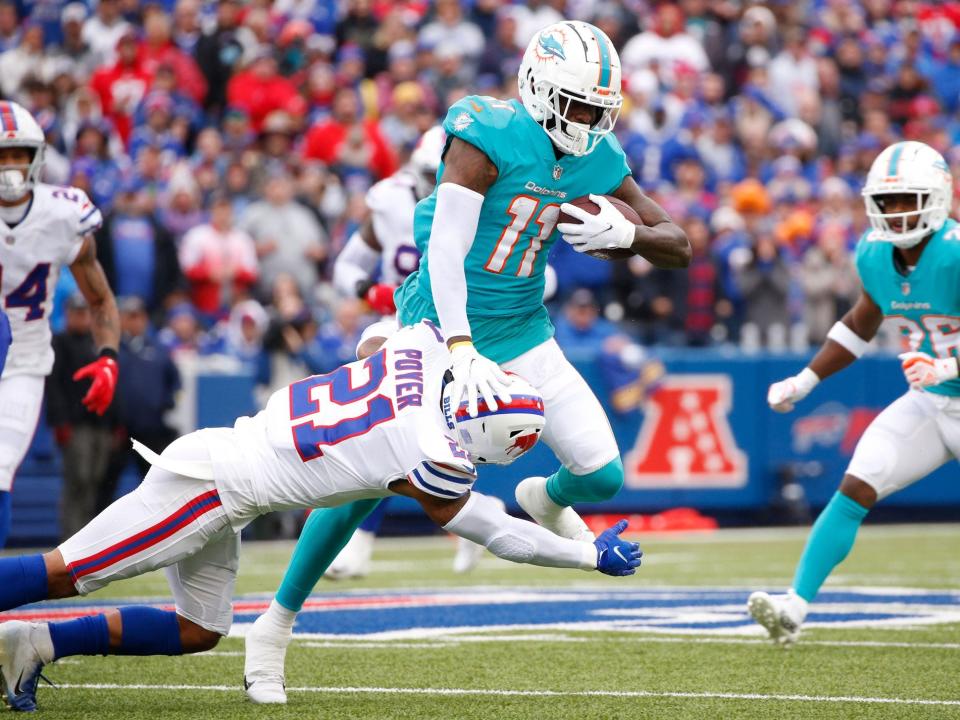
(605, 482)
(194, 638)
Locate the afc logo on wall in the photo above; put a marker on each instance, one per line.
(685, 439)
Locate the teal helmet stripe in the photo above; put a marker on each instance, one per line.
(895, 159)
(604, 80)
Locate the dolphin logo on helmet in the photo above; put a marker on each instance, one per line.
(551, 47)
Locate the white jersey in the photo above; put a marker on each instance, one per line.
(331, 439)
(31, 255)
(392, 202)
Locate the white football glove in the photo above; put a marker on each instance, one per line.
(476, 376)
(783, 395)
(922, 370)
(607, 230)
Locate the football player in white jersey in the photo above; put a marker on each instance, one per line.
(43, 227)
(375, 427)
(375, 260)
(384, 242)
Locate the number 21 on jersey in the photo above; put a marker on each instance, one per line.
(523, 209)
(351, 411)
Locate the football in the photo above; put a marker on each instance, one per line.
(591, 207)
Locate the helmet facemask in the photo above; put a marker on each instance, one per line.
(931, 211)
(17, 180)
(550, 105)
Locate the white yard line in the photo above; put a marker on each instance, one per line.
(531, 693)
(451, 640)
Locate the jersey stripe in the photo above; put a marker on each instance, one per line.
(605, 73)
(417, 479)
(895, 159)
(187, 514)
(445, 476)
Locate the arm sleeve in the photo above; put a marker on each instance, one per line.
(455, 222)
(482, 521)
(357, 261)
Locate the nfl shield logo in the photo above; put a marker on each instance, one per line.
(9, 239)
(557, 172)
(904, 288)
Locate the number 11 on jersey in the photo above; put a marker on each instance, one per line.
(522, 210)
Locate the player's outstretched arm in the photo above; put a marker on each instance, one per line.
(478, 518)
(659, 239)
(846, 341)
(93, 284)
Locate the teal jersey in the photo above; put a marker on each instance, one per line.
(924, 305)
(505, 266)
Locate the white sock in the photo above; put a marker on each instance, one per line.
(280, 617)
(42, 642)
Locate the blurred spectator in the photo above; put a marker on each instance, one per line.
(764, 282)
(157, 48)
(186, 25)
(219, 261)
(137, 254)
(501, 53)
(356, 146)
(358, 26)
(104, 29)
(289, 240)
(85, 439)
(666, 45)
(829, 280)
(793, 72)
(145, 391)
(336, 342)
(243, 339)
(450, 31)
(73, 53)
(218, 53)
(23, 60)
(580, 330)
(10, 31)
(121, 86)
(259, 89)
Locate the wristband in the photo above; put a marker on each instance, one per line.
(108, 352)
(848, 339)
(458, 343)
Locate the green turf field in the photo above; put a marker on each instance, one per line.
(904, 670)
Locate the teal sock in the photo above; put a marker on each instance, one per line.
(326, 532)
(829, 543)
(565, 488)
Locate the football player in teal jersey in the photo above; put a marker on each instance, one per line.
(484, 235)
(909, 265)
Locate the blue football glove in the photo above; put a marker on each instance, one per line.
(616, 556)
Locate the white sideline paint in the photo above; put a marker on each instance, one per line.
(530, 693)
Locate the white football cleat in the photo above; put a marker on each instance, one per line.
(354, 560)
(266, 650)
(468, 552)
(21, 663)
(563, 521)
(780, 615)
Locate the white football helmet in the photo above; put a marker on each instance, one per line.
(425, 159)
(566, 62)
(498, 436)
(19, 129)
(912, 168)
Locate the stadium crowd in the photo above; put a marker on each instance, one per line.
(230, 145)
